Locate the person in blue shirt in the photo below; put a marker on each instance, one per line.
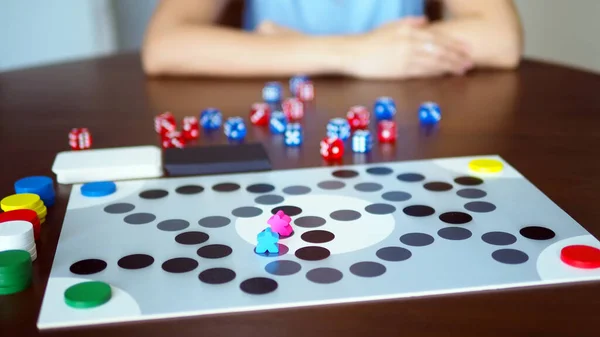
(373, 39)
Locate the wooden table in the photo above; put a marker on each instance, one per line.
(543, 119)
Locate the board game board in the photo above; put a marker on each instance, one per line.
(183, 246)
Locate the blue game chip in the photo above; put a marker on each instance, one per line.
(98, 189)
(40, 185)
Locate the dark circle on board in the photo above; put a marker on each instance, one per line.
(317, 236)
(260, 188)
(179, 265)
(309, 221)
(312, 253)
(283, 249)
(345, 174)
(153, 194)
(416, 239)
(217, 275)
(368, 187)
(396, 196)
(537, 233)
(288, 210)
(269, 199)
(367, 269)
(296, 190)
(191, 238)
(410, 177)
(119, 208)
(380, 209)
(173, 225)
(88, 266)
(455, 233)
(380, 170)
(189, 189)
(215, 251)
(345, 215)
(139, 218)
(258, 285)
(393, 254)
(499, 238)
(510, 256)
(135, 261)
(418, 210)
(437, 186)
(247, 212)
(324, 275)
(456, 218)
(283, 267)
(215, 221)
(331, 185)
(471, 193)
(468, 181)
(226, 187)
(480, 206)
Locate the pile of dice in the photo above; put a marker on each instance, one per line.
(166, 126)
(80, 139)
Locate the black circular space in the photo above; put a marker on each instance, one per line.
(226, 187)
(296, 190)
(288, 210)
(312, 253)
(119, 208)
(499, 238)
(455, 233)
(317, 236)
(468, 181)
(173, 225)
(331, 185)
(283, 267)
(283, 249)
(368, 187)
(345, 215)
(324, 275)
(191, 238)
(179, 265)
(418, 210)
(537, 233)
(135, 261)
(139, 218)
(380, 209)
(189, 189)
(380, 170)
(88, 266)
(258, 285)
(437, 186)
(153, 194)
(215, 251)
(260, 188)
(455, 218)
(416, 239)
(471, 193)
(510, 256)
(480, 206)
(269, 199)
(396, 196)
(217, 275)
(367, 269)
(411, 177)
(247, 212)
(345, 174)
(214, 221)
(393, 254)
(309, 221)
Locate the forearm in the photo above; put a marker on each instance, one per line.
(209, 50)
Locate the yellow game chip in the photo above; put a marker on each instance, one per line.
(486, 166)
(20, 201)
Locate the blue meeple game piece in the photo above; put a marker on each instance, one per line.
(430, 113)
(267, 242)
(211, 119)
(272, 92)
(235, 128)
(293, 134)
(338, 128)
(362, 141)
(385, 108)
(295, 81)
(41, 185)
(277, 122)
(98, 189)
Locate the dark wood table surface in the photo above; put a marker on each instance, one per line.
(543, 119)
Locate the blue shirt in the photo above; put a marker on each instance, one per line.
(330, 17)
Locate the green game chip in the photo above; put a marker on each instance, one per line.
(14, 289)
(15, 279)
(13, 261)
(87, 295)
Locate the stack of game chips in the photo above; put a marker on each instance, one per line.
(24, 215)
(25, 201)
(40, 185)
(18, 234)
(15, 271)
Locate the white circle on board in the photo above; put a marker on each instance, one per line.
(551, 268)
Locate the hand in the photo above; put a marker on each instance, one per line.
(405, 48)
(271, 28)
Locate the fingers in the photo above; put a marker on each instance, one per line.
(271, 28)
(442, 52)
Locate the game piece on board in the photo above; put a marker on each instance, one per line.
(173, 139)
(41, 185)
(305, 91)
(80, 139)
(293, 109)
(295, 81)
(332, 148)
(98, 189)
(358, 117)
(216, 159)
(235, 128)
(18, 235)
(486, 166)
(277, 122)
(386, 131)
(430, 113)
(338, 128)
(581, 256)
(211, 119)
(86, 295)
(164, 123)
(280, 224)
(267, 242)
(293, 134)
(25, 215)
(384, 108)
(362, 141)
(272, 92)
(259, 114)
(15, 271)
(190, 128)
(113, 164)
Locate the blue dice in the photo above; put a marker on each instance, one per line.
(272, 92)
(235, 128)
(211, 119)
(294, 81)
(362, 141)
(277, 122)
(430, 113)
(338, 128)
(385, 108)
(293, 134)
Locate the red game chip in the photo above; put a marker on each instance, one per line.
(581, 256)
(25, 215)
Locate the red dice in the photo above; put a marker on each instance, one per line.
(305, 91)
(173, 139)
(165, 123)
(386, 131)
(332, 148)
(80, 139)
(191, 128)
(358, 117)
(293, 109)
(259, 114)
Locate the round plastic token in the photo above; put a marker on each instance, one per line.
(98, 189)
(33, 184)
(12, 261)
(20, 214)
(581, 256)
(19, 201)
(486, 166)
(14, 289)
(88, 294)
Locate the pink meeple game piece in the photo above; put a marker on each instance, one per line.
(280, 224)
